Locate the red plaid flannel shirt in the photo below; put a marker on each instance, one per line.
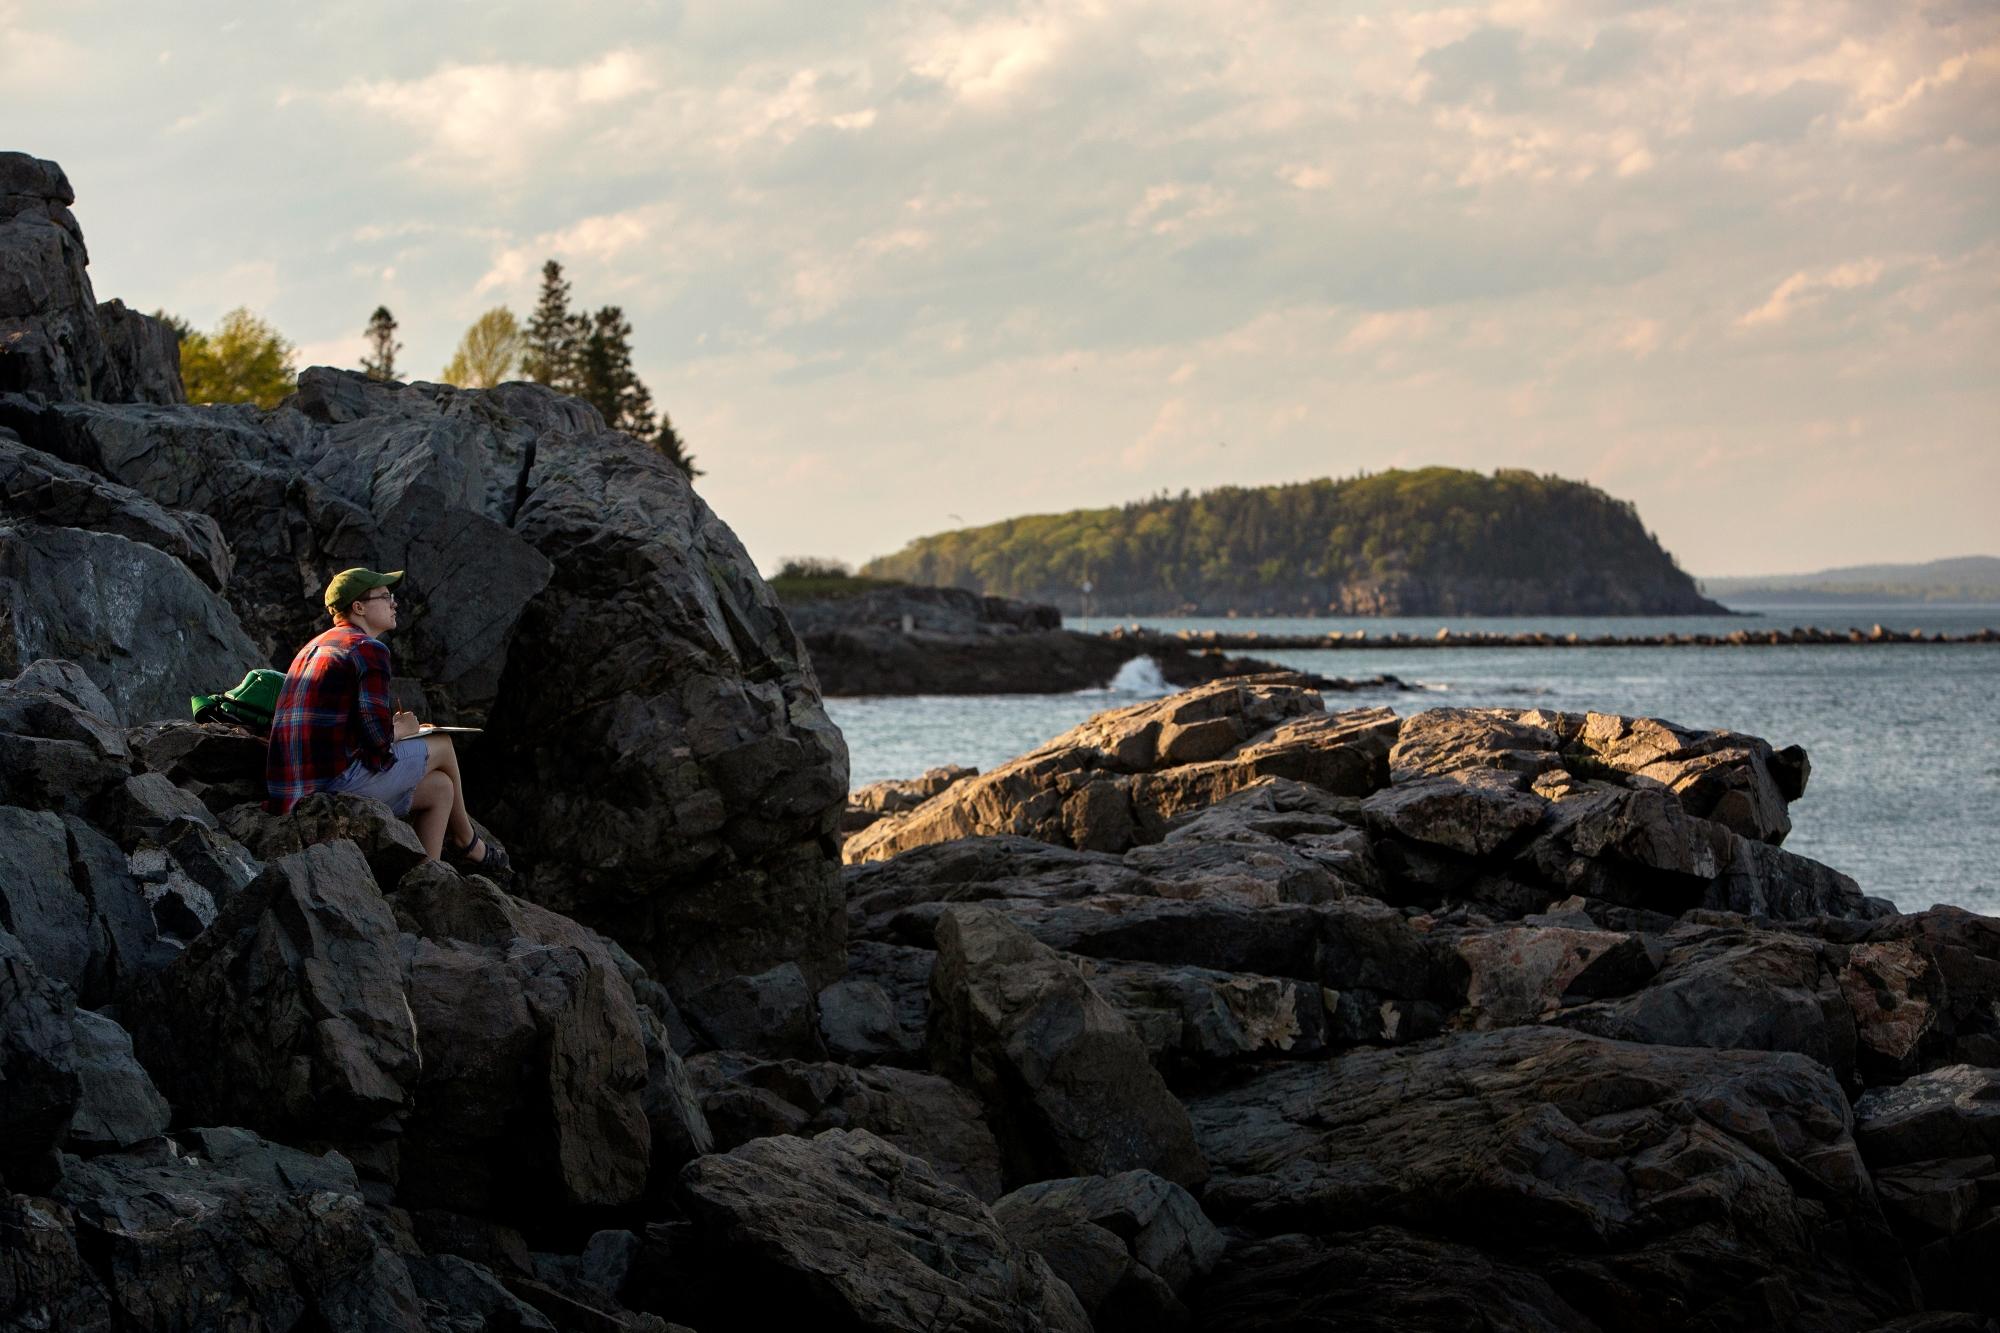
(333, 709)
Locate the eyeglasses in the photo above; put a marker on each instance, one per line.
(388, 597)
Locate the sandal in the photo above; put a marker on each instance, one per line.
(492, 860)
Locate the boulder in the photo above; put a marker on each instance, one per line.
(686, 808)
(895, 796)
(1475, 812)
(1193, 1019)
(534, 1081)
(148, 632)
(152, 1238)
(1737, 781)
(1067, 1080)
(1118, 780)
(288, 1015)
(1733, 989)
(767, 1014)
(1648, 1185)
(37, 486)
(458, 1293)
(846, 1229)
(1161, 1243)
(118, 1105)
(860, 1024)
(745, 1098)
(1953, 1112)
(39, 1083)
(218, 763)
(387, 843)
(61, 747)
(66, 892)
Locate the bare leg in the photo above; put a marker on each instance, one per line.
(430, 807)
(443, 759)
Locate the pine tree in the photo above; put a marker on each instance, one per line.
(605, 378)
(668, 441)
(382, 344)
(555, 337)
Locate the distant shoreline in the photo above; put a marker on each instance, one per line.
(1800, 636)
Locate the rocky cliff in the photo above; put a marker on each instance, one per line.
(1220, 1012)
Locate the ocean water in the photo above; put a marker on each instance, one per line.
(1904, 739)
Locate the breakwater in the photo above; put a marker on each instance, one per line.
(1148, 640)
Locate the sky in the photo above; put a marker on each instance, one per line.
(894, 268)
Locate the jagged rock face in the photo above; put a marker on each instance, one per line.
(1067, 1080)
(288, 1014)
(149, 632)
(55, 339)
(657, 750)
(39, 1086)
(534, 1067)
(1128, 1245)
(1640, 1181)
(745, 1098)
(265, 1237)
(659, 727)
(1116, 781)
(913, 1253)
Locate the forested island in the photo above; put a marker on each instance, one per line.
(1431, 541)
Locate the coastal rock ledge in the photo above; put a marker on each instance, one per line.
(1222, 1012)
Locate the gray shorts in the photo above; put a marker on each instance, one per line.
(395, 785)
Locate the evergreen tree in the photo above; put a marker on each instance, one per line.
(668, 441)
(380, 363)
(605, 377)
(556, 338)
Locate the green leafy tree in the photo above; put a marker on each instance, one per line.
(555, 339)
(244, 360)
(489, 353)
(606, 379)
(380, 362)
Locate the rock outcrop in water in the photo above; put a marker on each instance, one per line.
(1221, 1012)
(921, 640)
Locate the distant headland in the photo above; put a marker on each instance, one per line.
(1435, 541)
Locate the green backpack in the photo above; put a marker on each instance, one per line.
(250, 704)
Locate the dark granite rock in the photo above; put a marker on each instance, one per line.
(767, 1014)
(118, 1105)
(152, 1239)
(288, 1015)
(1067, 1080)
(1648, 1185)
(532, 1094)
(912, 1253)
(39, 1084)
(148, 632)
(926, 1116)
(1161, 1244)
(1380, 1279)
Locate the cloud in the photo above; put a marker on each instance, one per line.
(971, 252)
(491, 121)
(1805, 288)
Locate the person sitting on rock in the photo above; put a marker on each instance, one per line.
(333, 729)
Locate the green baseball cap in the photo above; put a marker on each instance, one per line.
(350, 584)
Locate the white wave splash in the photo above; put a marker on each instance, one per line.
(1140, 676)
